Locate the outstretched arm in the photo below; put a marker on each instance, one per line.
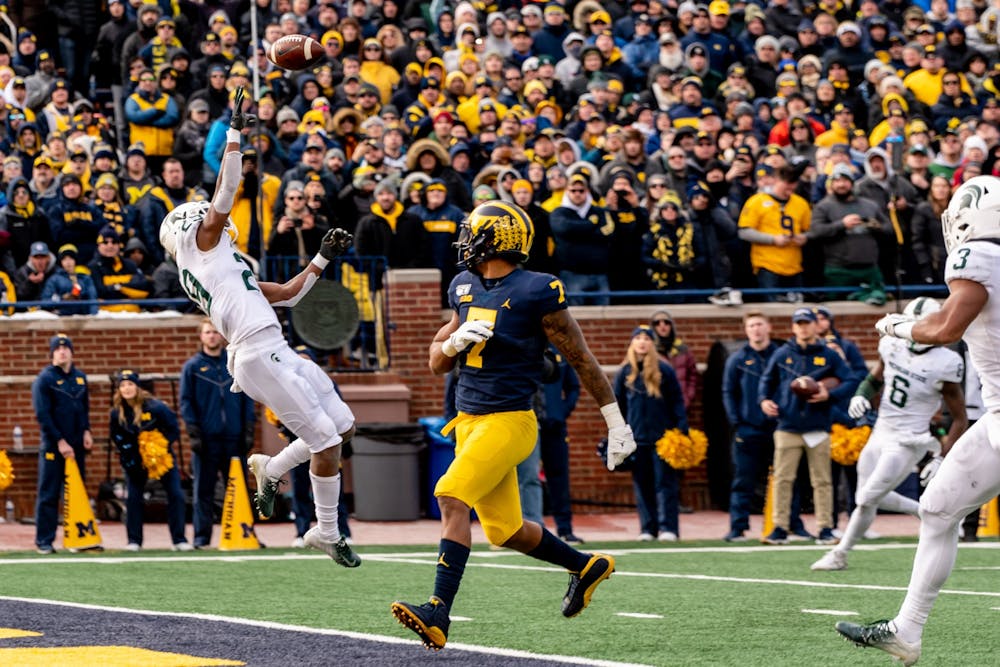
(947, 325)
(210, 230)
(335, 243)
(564, 332)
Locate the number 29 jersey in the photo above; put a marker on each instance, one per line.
(223, 286)
(503, 373)
(912, 392)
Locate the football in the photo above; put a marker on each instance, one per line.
(830, 383)
(805, 386)
(295, 52)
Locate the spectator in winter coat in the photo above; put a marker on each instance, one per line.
(583, 232)
(74, 220)
(190, 141)
(389, 231)
(674, 351)
(115, 277)
(67, 285)
(30, 277)
(24, 221)
(651, 401)
(441, 221)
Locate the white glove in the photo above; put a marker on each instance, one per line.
(927, 474)
(621, 444)
(897, 326)
(470, 333)
(858, 407)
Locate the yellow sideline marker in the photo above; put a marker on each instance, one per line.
(79, 525)
(768, 506)
(237, 519)
(989, 520)
(106, 656)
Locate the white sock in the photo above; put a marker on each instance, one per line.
(897, 502)
(326, 496)
(861, 519)
(293, 454)
(935, 558)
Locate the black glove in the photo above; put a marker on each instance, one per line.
(240, 120)
(194, 438)
(336, 242)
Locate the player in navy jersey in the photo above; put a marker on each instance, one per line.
(503, 319)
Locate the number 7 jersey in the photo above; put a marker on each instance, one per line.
(223, 286)
(912, 392)
(503, 373)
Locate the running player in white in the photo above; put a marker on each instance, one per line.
(916, 377)
(970, 474)
(214, 275)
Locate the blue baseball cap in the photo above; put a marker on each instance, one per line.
(803, 315)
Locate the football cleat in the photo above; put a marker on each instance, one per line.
(340, 551)
(582, 584)
(777, 536)
(831, 560)
(827, 537)
(880, 635)
(430, 621)
(267, 488)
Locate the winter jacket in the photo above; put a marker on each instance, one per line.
(583, 242)
(62, 406)
(842, 247)
(59, 288)
(650, 416)
(76, 222)
(25, 227)
(790, 361)
(206, 402)
(740, 387)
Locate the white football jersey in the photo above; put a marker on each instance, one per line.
(223, 286)
(912, 391)
(979, 261)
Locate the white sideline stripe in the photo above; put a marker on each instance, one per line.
(830, 612)
(512, 653)
(633, 614)
(459, 618)
(409, 558)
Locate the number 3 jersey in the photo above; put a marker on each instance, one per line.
(502, 373)
(912, 392)
(223, 286)
(979, 261)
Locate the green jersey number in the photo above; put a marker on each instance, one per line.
(964, 254)
(248, 279)
(898, 395)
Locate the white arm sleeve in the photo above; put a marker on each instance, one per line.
(306, 286)
(232, 164)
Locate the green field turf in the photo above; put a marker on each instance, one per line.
(708, 605)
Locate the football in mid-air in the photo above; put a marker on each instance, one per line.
(295, 52)
(805, 386)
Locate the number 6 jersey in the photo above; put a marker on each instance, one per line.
(912, 391)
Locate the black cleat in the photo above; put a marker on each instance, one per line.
(430, 621)
(880, 635)
(582, 584)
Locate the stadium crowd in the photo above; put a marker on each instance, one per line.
(656, 146)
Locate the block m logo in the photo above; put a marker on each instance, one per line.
(84, 529)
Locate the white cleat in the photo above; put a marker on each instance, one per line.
(339, 551)
(182, 546)
(832, 560)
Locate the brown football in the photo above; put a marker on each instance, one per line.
(295, 52)
(805, 386)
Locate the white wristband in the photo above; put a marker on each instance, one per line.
(320, 261)
(903, 330)
(447, 348)
(232, 136)
(612, 415)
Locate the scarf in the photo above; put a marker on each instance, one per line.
(25, 212)
(390, 217)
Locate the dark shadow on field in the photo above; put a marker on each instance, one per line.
(63, 626)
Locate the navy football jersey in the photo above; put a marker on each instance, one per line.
(502, 373)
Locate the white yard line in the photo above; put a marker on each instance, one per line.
(829, 612)
(513, 653)
(632, 614)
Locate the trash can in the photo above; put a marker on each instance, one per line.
(441, 452)
(386, 470)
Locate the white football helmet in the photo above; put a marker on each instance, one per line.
(185, 214)
(918, 309)
(973, 213)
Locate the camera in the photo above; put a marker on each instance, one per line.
(297, 222)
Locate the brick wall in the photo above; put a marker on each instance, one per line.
(161, 345)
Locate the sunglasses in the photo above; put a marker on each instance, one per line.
(577, 190)
(659, 322)
(294, 197)
(950, 83)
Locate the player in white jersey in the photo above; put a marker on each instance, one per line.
(214, 275)
(970, 474)
(914, 378)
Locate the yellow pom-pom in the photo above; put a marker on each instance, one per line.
(155, 452)
(6, 471)
(682, 451)
(846, 443)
